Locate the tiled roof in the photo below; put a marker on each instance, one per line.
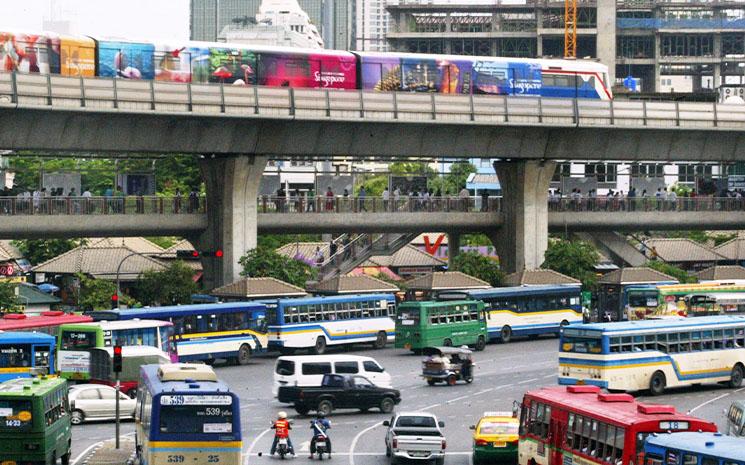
(33, 296)
(183, 244)
(537, 277)
(678, 250)
(407, 256)
(100, 262)
(137, 244)
(635, 275)
(8, 251)
(479, 178)
(258, 287)
(353, 285)
(721, 272)
(446, 280)
(733, 249)
(303, 249)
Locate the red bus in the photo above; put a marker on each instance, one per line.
(581, 424)
(47, 322)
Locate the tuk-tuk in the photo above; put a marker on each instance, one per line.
(447, 365)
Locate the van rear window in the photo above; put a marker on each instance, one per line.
(285, 367)
(316, 368)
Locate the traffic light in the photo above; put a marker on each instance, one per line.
(115, 301)
(195, 254)
(117, 362)
(213, 253)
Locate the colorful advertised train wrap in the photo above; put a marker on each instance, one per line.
(204, 62)
(451, 75)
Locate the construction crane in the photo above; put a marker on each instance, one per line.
(570, 28)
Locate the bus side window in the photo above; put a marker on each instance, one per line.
(690, 459)
(709, 461)
(653, 460)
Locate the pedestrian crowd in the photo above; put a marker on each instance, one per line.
(663, 199)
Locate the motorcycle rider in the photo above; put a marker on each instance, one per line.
(320, 427)
(282, 429)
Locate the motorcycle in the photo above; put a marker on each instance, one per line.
(283, 448)
(321, 446)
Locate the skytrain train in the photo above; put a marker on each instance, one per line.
(239, 64)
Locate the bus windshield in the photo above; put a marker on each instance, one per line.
(15, 415)
(78, 340)
(196, 419)
(408, 317)
(584, 344)
(16, 355)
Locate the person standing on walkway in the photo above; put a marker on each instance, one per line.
(386, 199)
(361, 197)
(333, 248)
(396, 198)
(329, 199)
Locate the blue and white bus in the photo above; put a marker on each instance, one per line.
(316, 322)
(231, 331)
(654, 354)
(185, 415)
(693, 449)
(529, 310)
(24, 355)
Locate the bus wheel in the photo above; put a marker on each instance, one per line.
(320, 346)
(380, 340)
(506, 334)
(66, 458)
(77, 417)
(657, 383)
(244, 355)
(735, 380)
(447, 343)
(481, 343)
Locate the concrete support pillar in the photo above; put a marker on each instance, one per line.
(657, 71)
(523, 239)
(453, 247)
(539, 35)
(232, 188)
(606, 37)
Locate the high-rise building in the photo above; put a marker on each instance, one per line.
(371, 25)
(333, 18)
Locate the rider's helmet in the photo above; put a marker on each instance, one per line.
(282, 415)
(320, 415)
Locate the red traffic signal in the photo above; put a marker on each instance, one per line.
(187, 254)
(117, 360)
(115, 301)
(194, 254)
(218, 253)
(114, 298)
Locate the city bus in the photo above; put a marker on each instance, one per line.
(74, 342)
(529, 310)
(317, 322)
(25, 355)
(654, 354)
(693, 449)
(736, 419)
(185, 415)
(47, 322)
(206, 332)
(440, 323)
(583, 425)
(35, 421)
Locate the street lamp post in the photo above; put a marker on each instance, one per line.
(119, 268)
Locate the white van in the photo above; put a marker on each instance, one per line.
(308, 370)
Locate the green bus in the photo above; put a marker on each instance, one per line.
(34, 421)
(447, 323)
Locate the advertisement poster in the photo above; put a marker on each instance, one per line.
(137, 183)
(27, 53)
(74, 361)
(77, 56)
(313, 70)
(126, 60)
(172, 63)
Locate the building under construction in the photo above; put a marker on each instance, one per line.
(687, 46)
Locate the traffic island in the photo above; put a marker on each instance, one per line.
(107, 454)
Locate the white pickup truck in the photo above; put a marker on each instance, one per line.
(415, 436)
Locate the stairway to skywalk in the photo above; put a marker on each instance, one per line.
(360, 248)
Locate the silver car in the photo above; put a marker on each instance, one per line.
(98, 402)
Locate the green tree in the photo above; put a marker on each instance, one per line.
(573, 258)
(374, 185)
(678, 273)
(452, 182)
(40, 250)
(264, 262)
(479, 266)
(95, 294)
(9, 302)
(171, 286)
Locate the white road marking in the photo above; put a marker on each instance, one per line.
(549, 376)
(253, 443)
(526, 381)
(710, 401)
(357, 438)
(85, 452)
(305, 446)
